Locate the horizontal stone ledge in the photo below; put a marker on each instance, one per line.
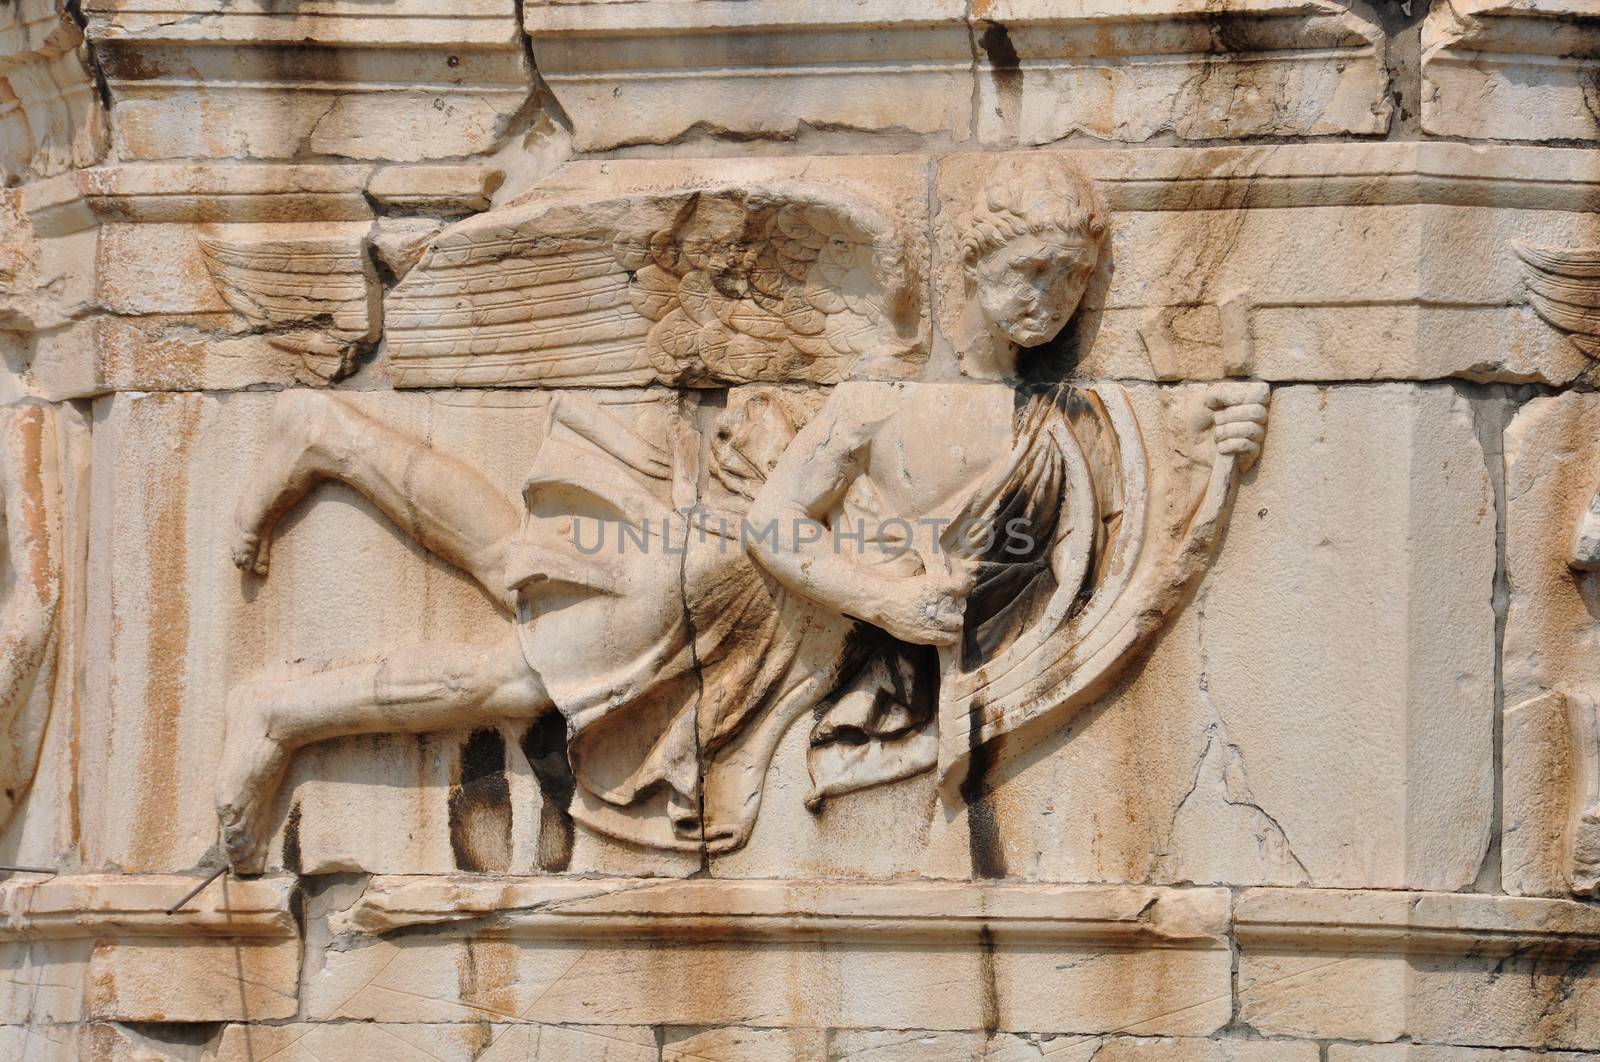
(698, 910)
(111, 905)
(942, 911)
(1158, 179)
(345, 23)
(1351, 920)
(199, 193)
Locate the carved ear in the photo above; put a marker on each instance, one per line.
(1564, 289)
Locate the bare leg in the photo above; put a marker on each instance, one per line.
(411, 690)
(442, 503)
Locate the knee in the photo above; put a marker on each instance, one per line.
(518, 691)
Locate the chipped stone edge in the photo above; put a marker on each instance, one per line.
(1359, 920)
(696, 910)
(1387, 174)
(220, 192)
(1492, 39)
(108, 905)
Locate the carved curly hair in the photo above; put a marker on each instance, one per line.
(1042, 194)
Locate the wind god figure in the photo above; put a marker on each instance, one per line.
(920, 567)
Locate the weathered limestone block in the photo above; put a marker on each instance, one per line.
(1011, 71)
(910, 1046)
(1511, 69)
(1435, 968)
(1431, 1053)
(416, 79)
(51, 118)
(1200, 70)
(101, 1042)
(408, 1041)
(659, 71)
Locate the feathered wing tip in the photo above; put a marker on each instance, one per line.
(1564, 289)
(316, 297)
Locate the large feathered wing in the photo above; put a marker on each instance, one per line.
(732, 284)
(1564, 289)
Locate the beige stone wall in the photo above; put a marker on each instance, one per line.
(1303, 765)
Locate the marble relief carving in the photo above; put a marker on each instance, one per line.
(1563, 288)
(686, 529)
(926, 569)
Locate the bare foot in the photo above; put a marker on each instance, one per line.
(304, 423)
(247, 781)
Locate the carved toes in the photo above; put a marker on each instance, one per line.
(246, 854)
(250, 553)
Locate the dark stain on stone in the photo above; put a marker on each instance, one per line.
(986, 981)
(545, 746)
(1398, 16)
(291, 841)
(480, 805)
(983, 824)
(1004, 67)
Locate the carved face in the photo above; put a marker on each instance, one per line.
(1030, 287)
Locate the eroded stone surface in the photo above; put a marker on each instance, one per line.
(1510, 70)
(1430, 967)
(1550, 742)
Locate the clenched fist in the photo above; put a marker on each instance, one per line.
(1238, 416)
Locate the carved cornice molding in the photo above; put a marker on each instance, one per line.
(701, 910)
(1512, 69)
(221, 193)
(1182, 179)
(110, 905)
(655, 71)
(94, 330)
(187, 80)
(1104, 915)
(1355, 920)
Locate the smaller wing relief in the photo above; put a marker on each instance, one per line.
(311, 293)
(1563, 286)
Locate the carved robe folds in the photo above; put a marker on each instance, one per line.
(679, 662)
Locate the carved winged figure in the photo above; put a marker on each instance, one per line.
(921, 567)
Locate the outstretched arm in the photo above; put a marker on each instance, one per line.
(805, 486)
